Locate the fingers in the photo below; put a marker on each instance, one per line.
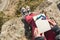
(43, 34)
(36, 33)
(51, 21)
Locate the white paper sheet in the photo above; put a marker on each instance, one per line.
(42, 25)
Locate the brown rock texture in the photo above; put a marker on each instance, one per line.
(11, 9)
(13, 30)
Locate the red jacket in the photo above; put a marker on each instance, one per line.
(49, 35)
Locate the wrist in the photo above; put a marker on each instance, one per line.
(37, 36)
(54, 24)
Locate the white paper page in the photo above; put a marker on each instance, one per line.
(42, 25)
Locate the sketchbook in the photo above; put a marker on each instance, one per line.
(42, 25)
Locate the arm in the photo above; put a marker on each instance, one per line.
(55, 27)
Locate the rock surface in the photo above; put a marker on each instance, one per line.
(3, 4)
(53, 11)
(13, 30)
(11, 8)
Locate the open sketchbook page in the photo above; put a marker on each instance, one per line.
(42, 25)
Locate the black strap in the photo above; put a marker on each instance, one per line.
(39, 38)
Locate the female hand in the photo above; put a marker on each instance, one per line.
(52, 22)
(37, 34)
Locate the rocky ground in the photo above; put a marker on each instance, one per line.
(14, 29)
(9, 7)
(53, 11)
(3, 4)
